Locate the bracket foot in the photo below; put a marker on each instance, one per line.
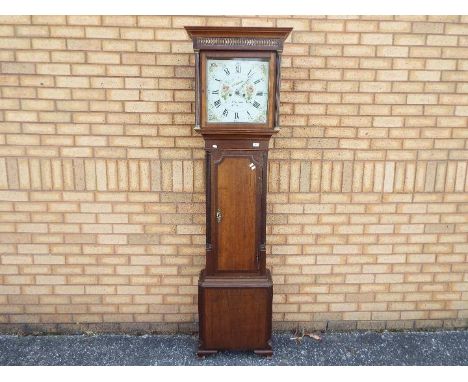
(203, 353)
(264, 352)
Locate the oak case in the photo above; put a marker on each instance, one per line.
(235, 288)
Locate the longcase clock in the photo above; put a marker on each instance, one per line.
(237, 85)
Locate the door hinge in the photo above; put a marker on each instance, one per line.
(219, 216)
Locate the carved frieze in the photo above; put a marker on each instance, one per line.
(234, 43)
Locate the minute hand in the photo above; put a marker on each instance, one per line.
(237, 83)
(243, 83)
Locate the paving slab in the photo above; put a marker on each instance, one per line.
(335, 348)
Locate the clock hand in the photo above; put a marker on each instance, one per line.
(237, 83)
(237, 91)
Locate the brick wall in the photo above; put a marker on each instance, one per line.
(102, 183)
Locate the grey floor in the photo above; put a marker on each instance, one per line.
(354, 348)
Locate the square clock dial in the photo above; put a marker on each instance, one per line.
(237, 90)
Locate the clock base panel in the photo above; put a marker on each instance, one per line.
(235, 314)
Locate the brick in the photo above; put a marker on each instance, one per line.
(168, 34)
(428, 27)
(83, 20)
(118, 46)
(395, 26)
(17, 68)
(119, 20)
(425, 52)
(376, 38)
(154, 21)
(361, 26)
(103, 58)
(15, 43)
(392, 51)
(69, 31)
(359, 50)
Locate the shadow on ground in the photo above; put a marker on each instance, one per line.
(354, 348)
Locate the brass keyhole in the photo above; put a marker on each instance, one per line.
(219, 216)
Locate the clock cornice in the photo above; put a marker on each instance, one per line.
(238, 38)
(264, 32)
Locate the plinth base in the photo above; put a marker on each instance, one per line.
(235, 313)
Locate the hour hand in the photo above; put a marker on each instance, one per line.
(240, 87)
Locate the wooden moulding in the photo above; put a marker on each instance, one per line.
(233, 281)
(197, 89)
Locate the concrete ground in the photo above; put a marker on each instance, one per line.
(335, 348)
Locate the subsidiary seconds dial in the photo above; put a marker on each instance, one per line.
(237, 90)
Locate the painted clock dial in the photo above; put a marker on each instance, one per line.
(237, 90)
